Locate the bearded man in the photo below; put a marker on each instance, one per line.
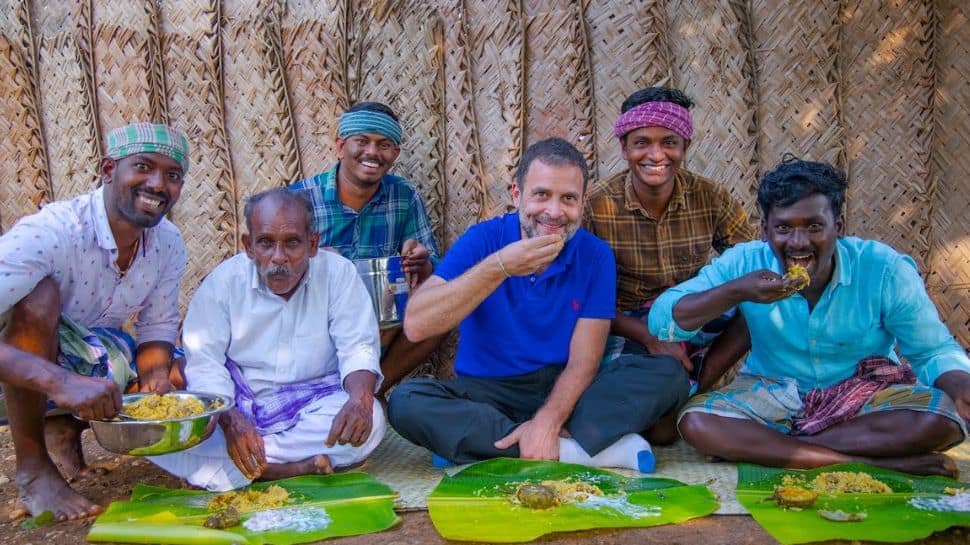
(73, 274)
(534, 294)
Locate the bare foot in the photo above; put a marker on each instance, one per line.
(45, 490)
(62, 434)
(314, 465)
(321, 465)
(923, 464)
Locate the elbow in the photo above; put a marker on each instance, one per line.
(414, 330)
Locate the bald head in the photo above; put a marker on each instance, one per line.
(278, 198)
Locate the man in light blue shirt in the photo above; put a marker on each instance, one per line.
(822, 384)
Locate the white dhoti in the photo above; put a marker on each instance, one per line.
(207, 465)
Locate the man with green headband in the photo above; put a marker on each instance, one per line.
(362, 212)
(73, 273)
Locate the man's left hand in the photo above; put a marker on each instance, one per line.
(415, 262)
(536, 440)
(157, 381)
(353, 423)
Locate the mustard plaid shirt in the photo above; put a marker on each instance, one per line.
(653, 255)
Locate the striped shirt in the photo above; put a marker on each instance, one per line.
(654, 254)
(394, 214)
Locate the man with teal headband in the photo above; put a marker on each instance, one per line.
(363, 212)
(73, 273)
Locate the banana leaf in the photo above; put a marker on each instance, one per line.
(888, 517)
(477, 503)
(344, 504)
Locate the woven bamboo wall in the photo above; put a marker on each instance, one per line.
(880, 87)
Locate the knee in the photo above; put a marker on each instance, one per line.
(400, 404)
(693, 427)
(937, 431)
(41, 308)
(664, 432)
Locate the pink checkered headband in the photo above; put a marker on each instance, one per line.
(655, 114)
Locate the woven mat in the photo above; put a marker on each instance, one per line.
(407, 469)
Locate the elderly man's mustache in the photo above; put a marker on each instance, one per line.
(278, 270)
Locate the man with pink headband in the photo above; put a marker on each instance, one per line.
(662, 222)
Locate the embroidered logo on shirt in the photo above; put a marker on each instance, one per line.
(575, 305)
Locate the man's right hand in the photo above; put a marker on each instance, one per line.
(762, 286)
(92, 398)
(243, 443)
(530, 255)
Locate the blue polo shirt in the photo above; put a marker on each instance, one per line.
(527, 323)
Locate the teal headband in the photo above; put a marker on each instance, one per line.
(367, 121)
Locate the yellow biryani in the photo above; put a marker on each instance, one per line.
(161, 407)
(848, 482)
(798, 275)
(251, 500)
(840, 482)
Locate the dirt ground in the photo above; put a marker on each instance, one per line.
(415, 527)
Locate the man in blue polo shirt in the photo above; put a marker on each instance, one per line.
(362, 212)
(534, 294)
(822, 384)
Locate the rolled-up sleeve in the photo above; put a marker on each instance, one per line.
(29, 252)
(353, 326)
(661, 322)
(205, 337)
(912, 318)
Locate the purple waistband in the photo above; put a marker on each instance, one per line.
(281, 410)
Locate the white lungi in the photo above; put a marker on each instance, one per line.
(208, 465)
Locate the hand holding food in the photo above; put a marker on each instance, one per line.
(797, 278)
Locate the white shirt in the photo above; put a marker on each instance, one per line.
(327, 325)
(71, 241)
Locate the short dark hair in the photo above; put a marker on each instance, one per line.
(793, 179)
(284, 197)
(553, 152)
(373, 107)
(657, 94)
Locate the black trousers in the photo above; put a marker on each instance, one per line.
(461, 418)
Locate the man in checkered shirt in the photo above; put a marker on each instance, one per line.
(363, 212)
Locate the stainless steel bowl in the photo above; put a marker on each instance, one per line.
(153, 437)
(387, 286)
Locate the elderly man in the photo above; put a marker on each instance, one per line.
(363, 212)
(73, 273)
(822, 384)
(534, 294)
(662, 222)
(290, 334)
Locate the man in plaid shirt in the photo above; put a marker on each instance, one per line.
(662, 222)
(363, 212)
